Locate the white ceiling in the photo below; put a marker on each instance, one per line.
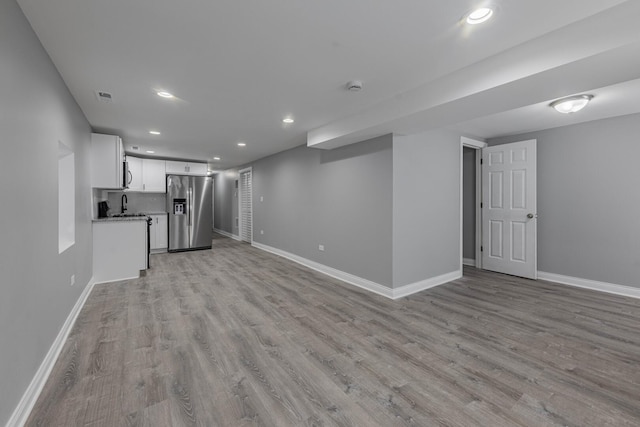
(238, 67)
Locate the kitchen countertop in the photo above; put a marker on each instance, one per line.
(139, 217)
(121, 218)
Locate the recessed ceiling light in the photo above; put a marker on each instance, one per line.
(242, 144)
(150, 151)
(571, 104)
(216, 158)
(287, 120)
(154, 132)
(479, 15)
(165, 94)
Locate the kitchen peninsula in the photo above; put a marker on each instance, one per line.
(119, 248)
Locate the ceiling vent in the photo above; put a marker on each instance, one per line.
(104, 96)
(354, 86)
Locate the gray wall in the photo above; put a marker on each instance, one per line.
(426, 206)
(339, 198)
(226, 201)
(36, 111)
(588, 203)
(469, 203)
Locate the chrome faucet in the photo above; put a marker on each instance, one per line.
(123, 201)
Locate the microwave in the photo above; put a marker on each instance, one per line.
(126, 175)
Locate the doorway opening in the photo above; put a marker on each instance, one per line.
(470, 199)
(468, 206)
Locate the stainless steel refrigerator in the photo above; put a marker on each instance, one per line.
(190, 215)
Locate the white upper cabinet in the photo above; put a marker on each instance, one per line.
(186, 168)
(146, 175)
(153, 176)
(198, 168)
(107, 161)
(135, 174)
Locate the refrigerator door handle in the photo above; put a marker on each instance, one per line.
(190, 193)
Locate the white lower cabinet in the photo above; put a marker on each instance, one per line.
(159, 233)
(119, 249)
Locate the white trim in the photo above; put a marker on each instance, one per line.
(610, 288)
(469, 261)
(118, 280)
(478, 261)
(329, 271)
(472, 143)
(360, 282)
(422, 285)
(227, 234)
(476, 145)
(31, 394)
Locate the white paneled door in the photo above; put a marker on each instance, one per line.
(509, 218)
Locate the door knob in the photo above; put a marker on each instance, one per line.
(530, 215)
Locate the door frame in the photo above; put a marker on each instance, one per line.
(478, 146)
(240, 172)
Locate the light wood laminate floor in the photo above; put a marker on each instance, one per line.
(237, 337)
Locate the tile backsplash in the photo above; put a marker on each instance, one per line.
(138, 202)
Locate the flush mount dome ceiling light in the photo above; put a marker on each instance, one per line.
(571, 104)
(287, 120)
(242, 144)
(165, 94)
(479, 15)
(154, 132)
(354, 86)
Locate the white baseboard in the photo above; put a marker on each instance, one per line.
(227, 234)
(30, 396)
(469, 261)
(360, 282)
(610, 288)
(432, 282)
(329, 271)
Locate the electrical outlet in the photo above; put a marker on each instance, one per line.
(321, 248)
(73, 279)
(261, 231)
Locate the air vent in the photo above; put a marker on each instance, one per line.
(104, 96)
